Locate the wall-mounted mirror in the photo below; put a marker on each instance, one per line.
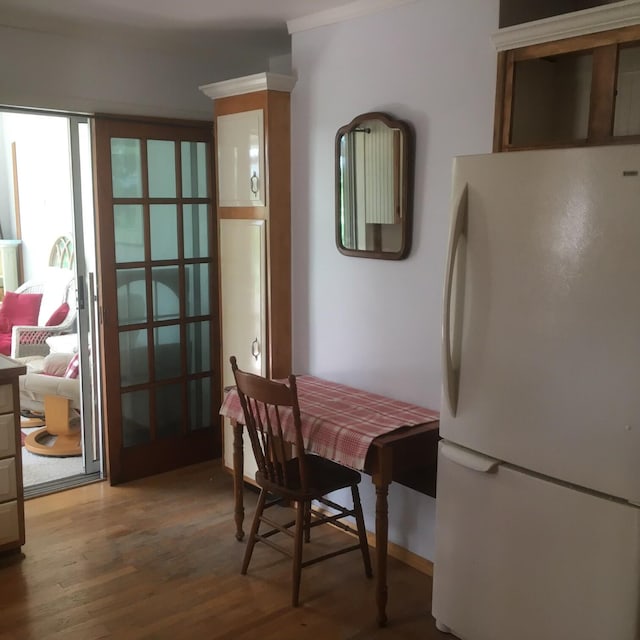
(374, 171)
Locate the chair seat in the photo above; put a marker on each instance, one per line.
(323, 476)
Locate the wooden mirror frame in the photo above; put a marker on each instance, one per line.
(404, 186)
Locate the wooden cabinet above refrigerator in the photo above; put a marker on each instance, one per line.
(558, 89)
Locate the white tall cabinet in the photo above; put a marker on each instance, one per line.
(243, 292)
(252, 142)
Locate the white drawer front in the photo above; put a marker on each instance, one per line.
(6, 398)
(9, 524)
(8, 490)
(7, 435)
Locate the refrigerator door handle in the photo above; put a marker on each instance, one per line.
(468, 459)
(451, 374)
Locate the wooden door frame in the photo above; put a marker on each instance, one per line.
(121, 460)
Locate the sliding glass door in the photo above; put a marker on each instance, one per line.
(85, 264)
(47, 210)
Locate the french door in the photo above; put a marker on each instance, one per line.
(158, 295)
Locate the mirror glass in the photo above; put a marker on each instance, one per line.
(374, 154)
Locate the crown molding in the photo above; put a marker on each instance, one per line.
(578, 23)
(248, 84)
(340, 14)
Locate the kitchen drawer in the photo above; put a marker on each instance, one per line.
(6, 398)
(8, 489)
(7, 435)
(9, 522)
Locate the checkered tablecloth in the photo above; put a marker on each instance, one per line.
(340, 422)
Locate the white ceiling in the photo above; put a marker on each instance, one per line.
(214, 14)
(191, 22)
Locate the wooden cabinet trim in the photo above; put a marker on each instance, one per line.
(579, 43)
(603, 90)
(500, 102)
(278, 167)
(242, 213)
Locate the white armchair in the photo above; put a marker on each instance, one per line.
(46, 390)
(57, 286)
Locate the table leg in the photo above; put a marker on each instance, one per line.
(238, 483)
(382, 479)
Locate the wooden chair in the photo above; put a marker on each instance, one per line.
(301, 479)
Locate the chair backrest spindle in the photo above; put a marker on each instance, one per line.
(265, 404)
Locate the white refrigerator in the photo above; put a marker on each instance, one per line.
(537, 516)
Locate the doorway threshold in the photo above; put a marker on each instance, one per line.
(61, 484)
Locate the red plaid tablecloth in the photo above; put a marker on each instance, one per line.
(340, 422)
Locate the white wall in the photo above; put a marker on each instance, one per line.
(44, 175)
(375, 324)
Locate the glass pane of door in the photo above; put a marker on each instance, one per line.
(160, 306)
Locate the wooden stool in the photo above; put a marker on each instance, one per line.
(66, 437)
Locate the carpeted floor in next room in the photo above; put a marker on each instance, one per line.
(38, 469)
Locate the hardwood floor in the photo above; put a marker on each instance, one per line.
(157, 558)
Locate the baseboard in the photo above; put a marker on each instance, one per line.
(404, 555)
(409, 558)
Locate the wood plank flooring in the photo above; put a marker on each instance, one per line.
(157, 558)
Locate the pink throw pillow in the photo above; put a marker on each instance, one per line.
(58, 315)
(73, 368)
(19, 309)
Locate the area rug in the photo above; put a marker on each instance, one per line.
(37, 469)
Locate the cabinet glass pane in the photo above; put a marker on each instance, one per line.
(126, 168)
(165, 282)
(128, 229)
(134, 363)
(194, 169)
(198, 347)
(164, 231)
(627, 117)
(197, 289)
(199, 403)
(169, 410)
(132, 296)
(135, 418)
(166, 348)
(161, 161)
(196, 231)
(551, 100)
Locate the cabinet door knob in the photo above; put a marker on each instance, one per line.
(254, 184)
(255, 349)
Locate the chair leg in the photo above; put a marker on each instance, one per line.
(255, 525)
(301, 514)
(362, 532)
